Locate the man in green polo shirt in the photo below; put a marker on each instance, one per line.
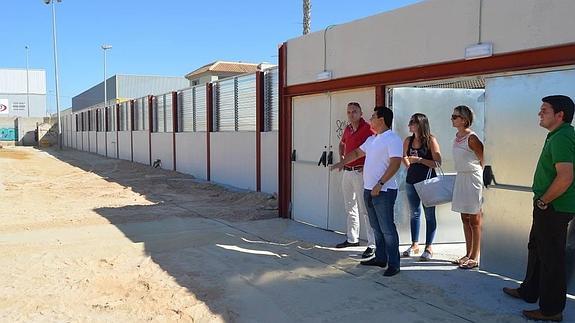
(553, 208)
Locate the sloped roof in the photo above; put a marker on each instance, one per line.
(474, 83)
(225, 67)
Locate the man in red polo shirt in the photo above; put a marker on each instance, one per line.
(354, 135)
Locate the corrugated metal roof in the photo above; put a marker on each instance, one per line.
(225, 67)
(128, 86)
(13, 81)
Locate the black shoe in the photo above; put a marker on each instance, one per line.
(514, 292)
(346, 244)
(369, 252)
(537, 315)
(391, 272)
(373, 262)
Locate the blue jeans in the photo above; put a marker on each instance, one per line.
(415, 214)
(380, 213)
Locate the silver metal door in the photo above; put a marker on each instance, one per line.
(513, 141)
(337, 218)
(310, 177)
(437, 104)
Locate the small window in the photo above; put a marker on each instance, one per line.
(195, 82)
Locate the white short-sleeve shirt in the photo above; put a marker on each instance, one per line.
(378, 150)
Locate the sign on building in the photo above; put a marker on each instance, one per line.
(4, 106)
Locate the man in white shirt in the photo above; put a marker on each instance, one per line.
(383, 152)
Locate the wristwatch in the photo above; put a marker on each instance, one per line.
(381, 183)
(541, 205)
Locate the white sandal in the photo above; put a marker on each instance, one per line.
(410, 252)
(469, 264)
(460, 260)
(426, 256)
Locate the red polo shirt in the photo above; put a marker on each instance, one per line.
(353, 139)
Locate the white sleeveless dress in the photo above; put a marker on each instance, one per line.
(468, 188)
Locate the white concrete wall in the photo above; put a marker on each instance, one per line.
(86, 141)
(162, 148)
(93, 143)
(191, 154)
(514, 25)
(125, 144)
(73, 140)
(141, 147)
(111, 142)
(79, 140)
(429, 32)
(269, 162)
(233, 159)
(102, 143)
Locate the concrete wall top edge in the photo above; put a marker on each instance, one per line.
(429, 32)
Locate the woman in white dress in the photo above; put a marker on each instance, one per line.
(468, 160)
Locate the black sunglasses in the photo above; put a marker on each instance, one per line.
(455, 116)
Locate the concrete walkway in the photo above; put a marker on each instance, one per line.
(282, 271)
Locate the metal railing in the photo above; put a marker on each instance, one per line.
(271, 99)
(141, 114)
(234, 102)
(192, 109)
(124, 116)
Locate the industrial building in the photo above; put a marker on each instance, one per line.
(124, 87)
(22, 92)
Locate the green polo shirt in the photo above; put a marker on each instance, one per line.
(559, 148)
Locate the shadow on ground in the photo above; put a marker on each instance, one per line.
(230, 250)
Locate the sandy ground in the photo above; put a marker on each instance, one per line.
(89, 239)
(61, 255)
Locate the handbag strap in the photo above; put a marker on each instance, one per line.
(429, 173)
(437, 166)
(439, 172)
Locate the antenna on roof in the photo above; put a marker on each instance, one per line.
(306, 16)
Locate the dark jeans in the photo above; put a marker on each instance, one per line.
(380, 213)
(546, 278)
(570, 252)
(415, 214)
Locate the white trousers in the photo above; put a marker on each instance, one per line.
(352, 188)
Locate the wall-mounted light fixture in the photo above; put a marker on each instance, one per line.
(479, 51)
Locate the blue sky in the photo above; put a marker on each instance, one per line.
(170, 37)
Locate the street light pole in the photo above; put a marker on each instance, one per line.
(56, 69)
(105, 48)
(27, 82)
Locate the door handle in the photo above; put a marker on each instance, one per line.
(488, 177)
(322, 159)
(293, 155)
(330, 158)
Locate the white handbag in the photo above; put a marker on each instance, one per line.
(437, 190)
